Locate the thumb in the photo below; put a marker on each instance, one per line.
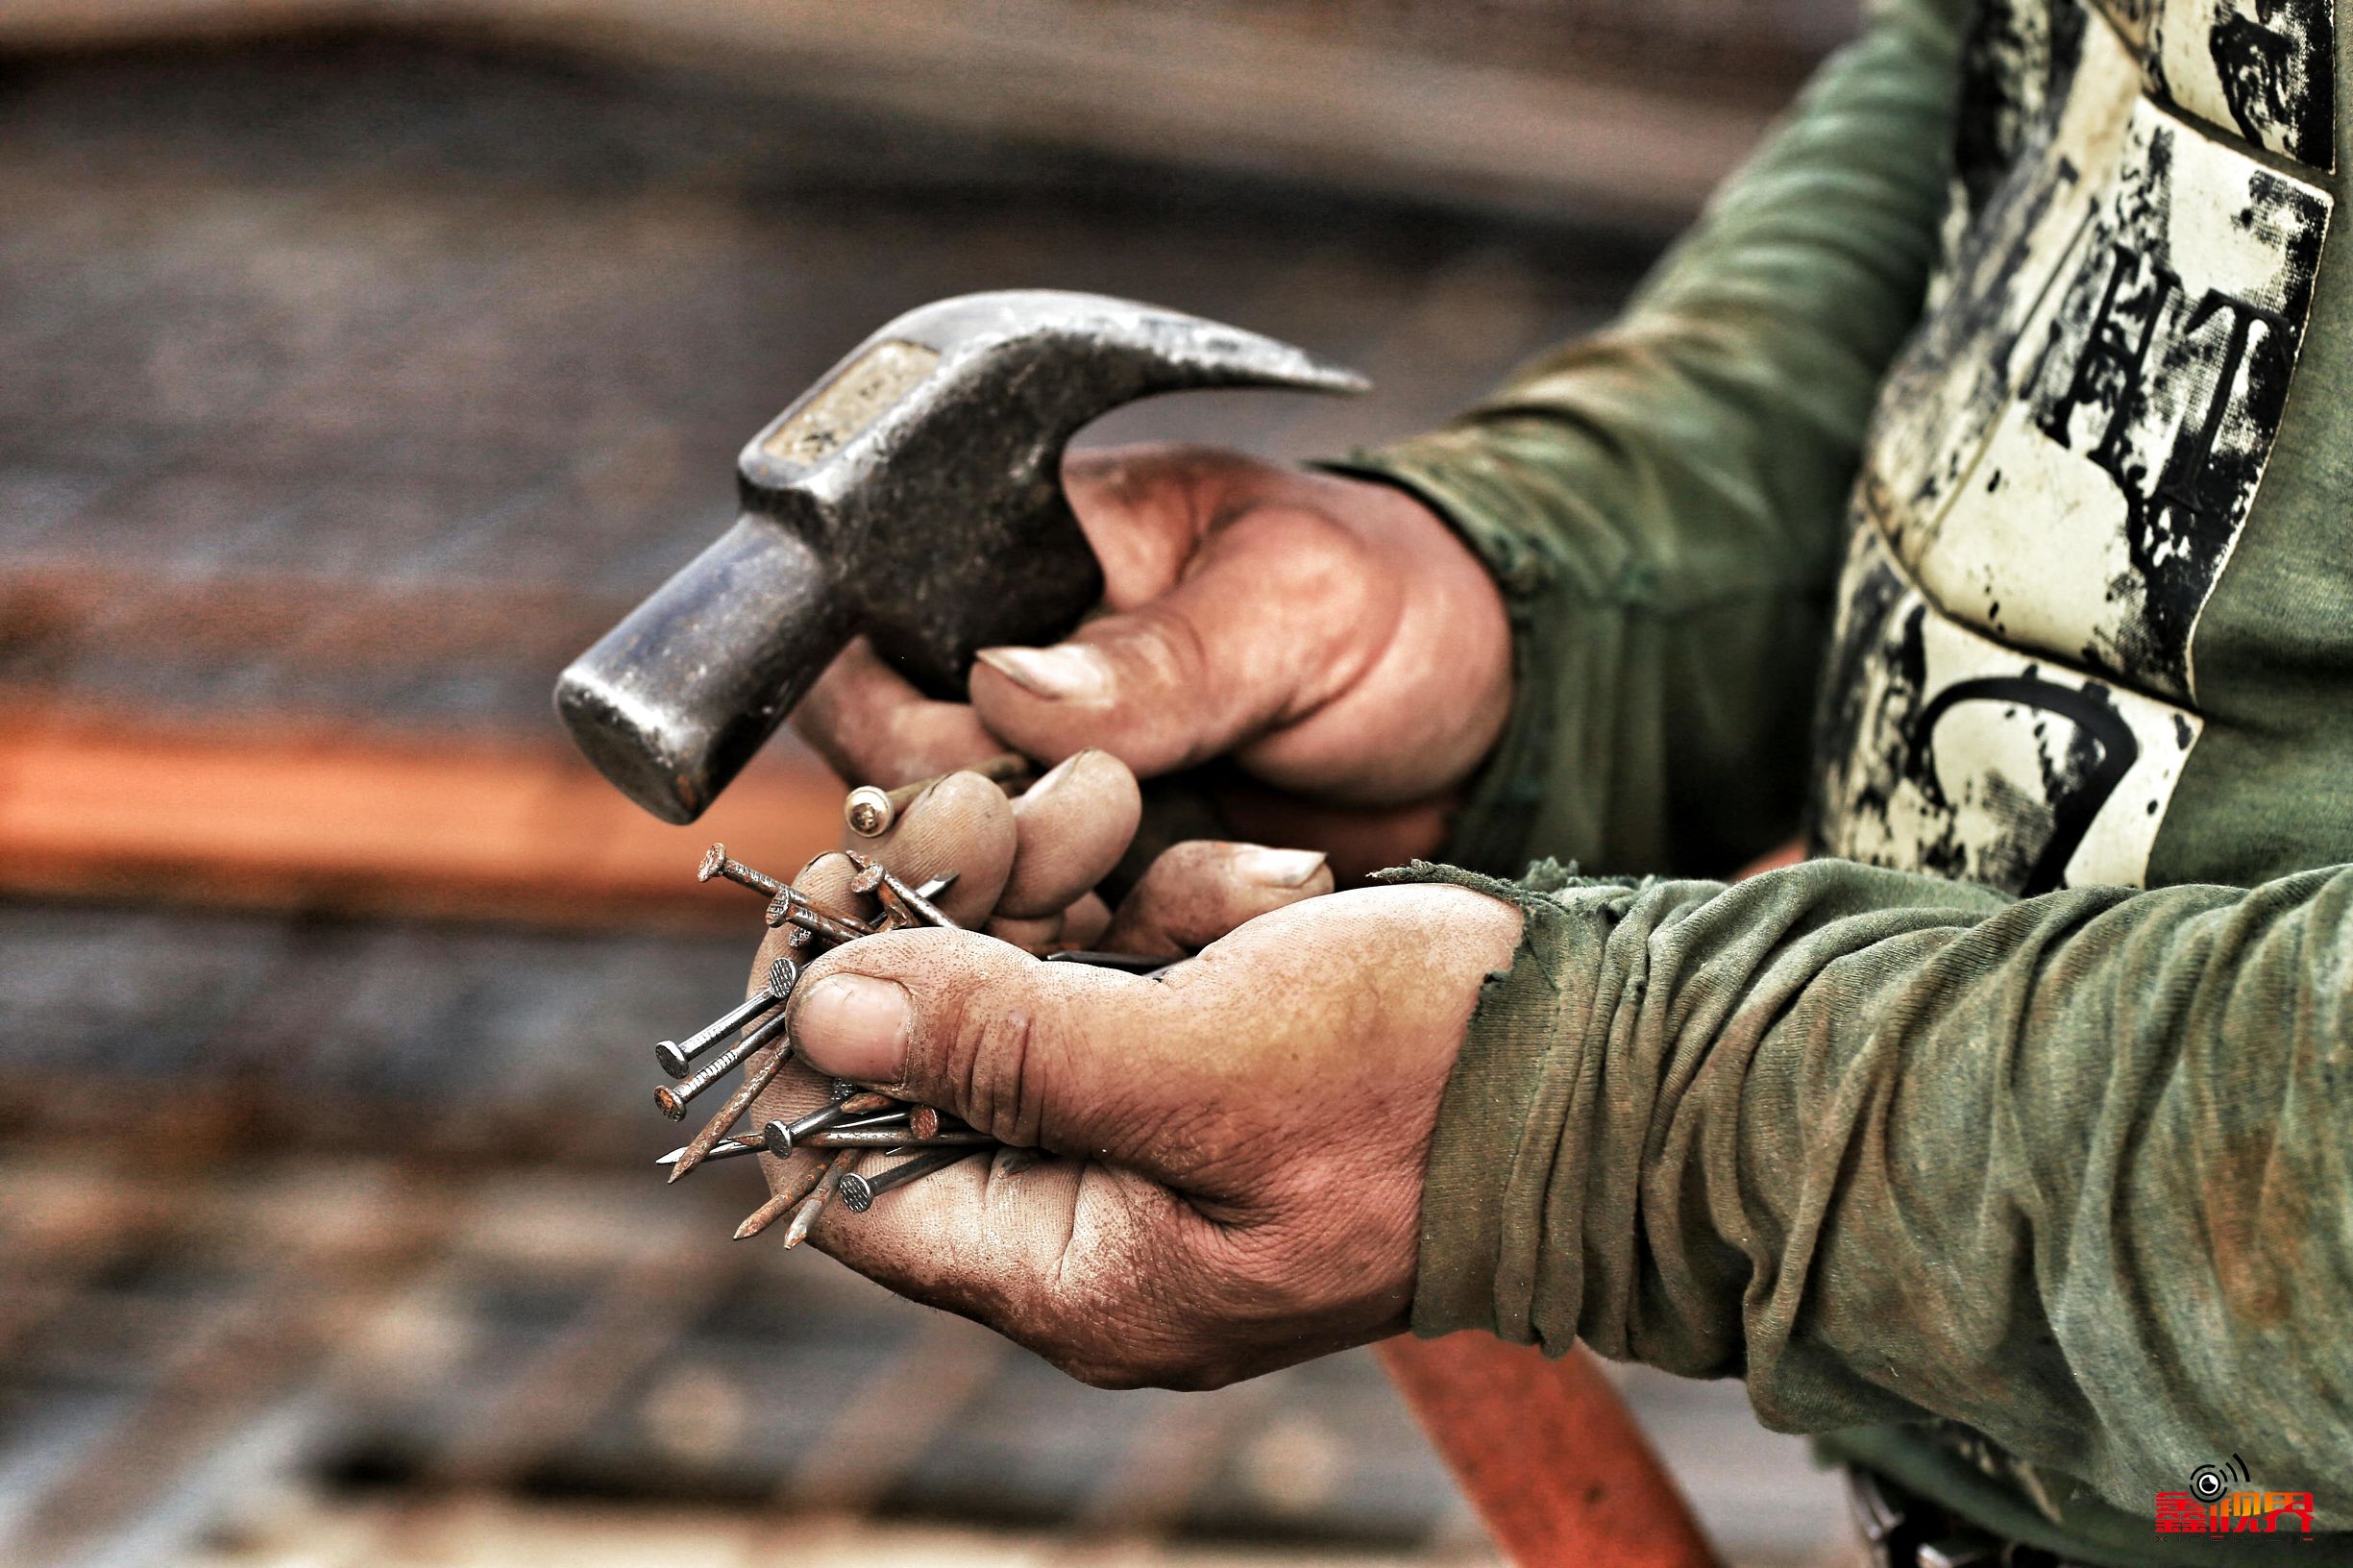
(1268, 625)
(1060, 1057)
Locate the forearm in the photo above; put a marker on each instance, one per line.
(1663, 504)
(2071, 1172)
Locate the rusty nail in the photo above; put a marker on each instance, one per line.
(792, 904)
(796, 1189)
(924, 909)
(715, 863)
(756, 1077)
(814, 1205)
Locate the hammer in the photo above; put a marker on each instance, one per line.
(913, 495)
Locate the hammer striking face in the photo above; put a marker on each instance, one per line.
(914, 495)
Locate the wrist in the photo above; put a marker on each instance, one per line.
(1497, 1173)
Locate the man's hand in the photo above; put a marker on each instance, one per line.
(1332, 635)
(1246, 1137)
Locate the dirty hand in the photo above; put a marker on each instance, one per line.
(1332, 635)
(1241, 1140)
(1024, 871)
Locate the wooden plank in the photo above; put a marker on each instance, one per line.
(277, 814)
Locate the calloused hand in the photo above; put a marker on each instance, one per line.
(1025, 868)
(1240, 1143)
(1332, 635)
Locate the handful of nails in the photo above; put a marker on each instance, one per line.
(856, 1122)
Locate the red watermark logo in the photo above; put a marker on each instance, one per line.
(2217, 1504)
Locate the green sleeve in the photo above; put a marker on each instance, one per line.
(2073, 1172)
(1663, 504)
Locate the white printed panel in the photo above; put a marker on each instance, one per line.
(2068, 450)
(2105, 502)
(2262, 70)
(1994, 302)
(1943, 751)
(2265, 68)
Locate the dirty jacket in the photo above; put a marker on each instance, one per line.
(1973, 482)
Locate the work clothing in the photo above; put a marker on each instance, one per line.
(1976, 476)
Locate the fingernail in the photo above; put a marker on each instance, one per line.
(1055, 775)
(853, 1026)
(1066, 673)
(1276, 867)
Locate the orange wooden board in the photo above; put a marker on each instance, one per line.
(274, 814)
(1547, 1453)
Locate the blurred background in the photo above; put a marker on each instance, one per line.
(363, 360)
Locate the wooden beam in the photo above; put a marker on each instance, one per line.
(1547, 1453)
(274, 814)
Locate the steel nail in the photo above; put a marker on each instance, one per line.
(870, 810)
(859, 1192)
(675, 1056)
(756, 1077)
(782, 1138)
(675, 1101)
(727, 1148)
(1012, 1161)
(891, 1138)
(1142, 963)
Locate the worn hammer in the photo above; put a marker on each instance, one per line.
(913, 495)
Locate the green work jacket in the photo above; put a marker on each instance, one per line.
(1972, 483)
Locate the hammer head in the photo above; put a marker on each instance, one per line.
(913, 495)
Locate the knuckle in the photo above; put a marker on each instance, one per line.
(1166, 649)
(996, 1063)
